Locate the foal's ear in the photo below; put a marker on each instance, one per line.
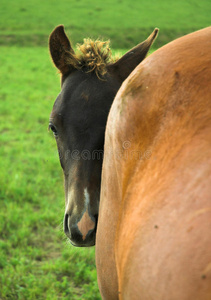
(127, 63)
(61, 50)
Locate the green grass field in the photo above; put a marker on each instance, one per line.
(36, 261)
(125, 22)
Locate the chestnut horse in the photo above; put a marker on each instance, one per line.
(154, 227)
(90, 80)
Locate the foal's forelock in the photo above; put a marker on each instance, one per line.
(91, 55)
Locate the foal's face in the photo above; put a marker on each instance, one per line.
(78, 121)
(90, 82)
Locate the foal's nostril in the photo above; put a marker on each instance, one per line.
(96, 221)
(66, 227)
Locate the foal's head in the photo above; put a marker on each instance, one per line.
(90, 80)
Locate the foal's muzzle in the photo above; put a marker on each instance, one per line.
(83, 232)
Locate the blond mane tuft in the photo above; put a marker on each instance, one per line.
(92, 55)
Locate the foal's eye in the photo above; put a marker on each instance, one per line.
(53, 129)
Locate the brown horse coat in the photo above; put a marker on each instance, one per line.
(154, 227)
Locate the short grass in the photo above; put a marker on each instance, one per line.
(36, 261)
(125, 22)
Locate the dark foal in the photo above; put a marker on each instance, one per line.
(90, 81)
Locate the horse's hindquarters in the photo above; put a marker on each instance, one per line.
(164, 252)
(156, 192)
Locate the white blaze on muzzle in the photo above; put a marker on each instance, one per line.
(86, 223)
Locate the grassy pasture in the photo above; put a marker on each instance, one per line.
(36, 262)
(125, 22)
